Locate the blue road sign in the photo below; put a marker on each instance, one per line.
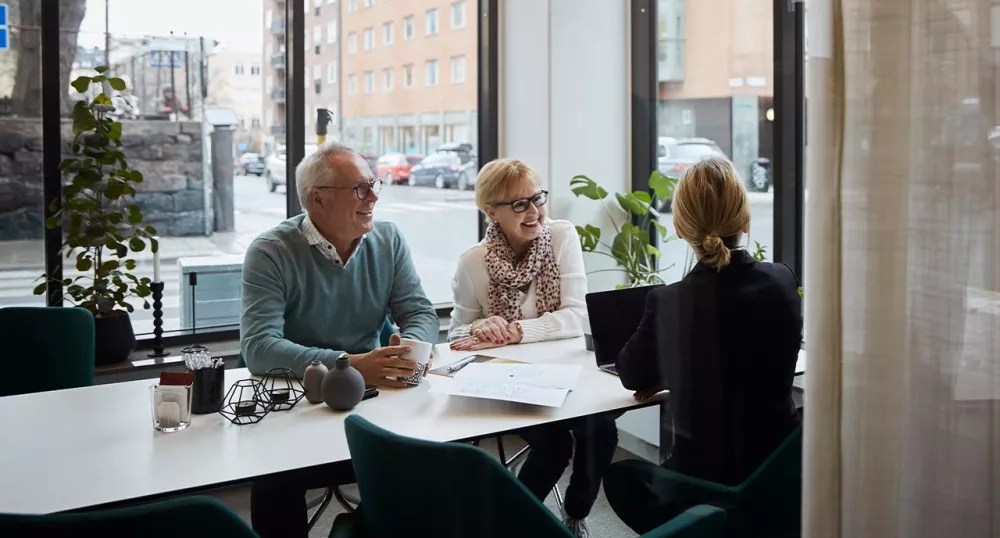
(4, 29)
(166, 58)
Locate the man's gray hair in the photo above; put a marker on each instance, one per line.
(315, 167)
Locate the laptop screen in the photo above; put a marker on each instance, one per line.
(614, 316)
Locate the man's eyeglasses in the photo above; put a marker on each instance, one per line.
(361, 190)
(520, 206)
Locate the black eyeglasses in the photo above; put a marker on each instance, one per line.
(361, 190)
(520, 206)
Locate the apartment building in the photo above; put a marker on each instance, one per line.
(234, 81)
(273, 79)
(409, 74)
(716, 75)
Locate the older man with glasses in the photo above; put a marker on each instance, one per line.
(318, 287)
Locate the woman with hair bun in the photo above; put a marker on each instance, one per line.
(724, 341)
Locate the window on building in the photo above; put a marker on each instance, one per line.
(352, 6)
(431, 21)
(352, 43)
(369, 38)
(387, 33)
(331, 72)
(432, 72)
(408, 76)
(408, 28)
(352, 84)
(457, 69)
(369, 3)
(458, 15)
(387, 79)
(331, 32)
(317, 72)
(238, 68)
(255, 70)
(254, 121)
(369, 81)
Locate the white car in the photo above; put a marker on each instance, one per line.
(274, 175)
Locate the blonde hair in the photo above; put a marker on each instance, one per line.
(711, 210)
(499, 178)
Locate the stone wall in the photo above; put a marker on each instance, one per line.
(169, 155)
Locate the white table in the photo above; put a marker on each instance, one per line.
(77, 448)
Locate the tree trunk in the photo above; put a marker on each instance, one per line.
(27, 94)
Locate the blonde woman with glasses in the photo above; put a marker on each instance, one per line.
(525, 282)
(723, 341)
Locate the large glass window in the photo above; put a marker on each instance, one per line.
(715, 82)
(22, 255)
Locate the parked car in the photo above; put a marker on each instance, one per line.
(251, 163)
(395, 168)
(469, 169)
(442, 169)
(275, 166)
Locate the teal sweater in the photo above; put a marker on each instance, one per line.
(298, 306)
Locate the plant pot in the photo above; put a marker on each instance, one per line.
(114, 339)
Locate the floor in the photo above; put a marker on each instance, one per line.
(603, 521)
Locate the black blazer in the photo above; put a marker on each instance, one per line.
(725, 344)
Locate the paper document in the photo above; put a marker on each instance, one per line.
(552, 376)
(533, 384)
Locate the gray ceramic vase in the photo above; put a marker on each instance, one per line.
(312, 381)
(343, 387)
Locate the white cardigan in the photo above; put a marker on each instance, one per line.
(472, 283)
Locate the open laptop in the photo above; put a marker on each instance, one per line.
(614, 316)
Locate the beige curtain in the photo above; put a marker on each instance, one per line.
(902, 427)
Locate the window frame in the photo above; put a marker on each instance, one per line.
(388, 33)
(368, 39)
(452, 70)
(409, 28)
(352, 43)
(461, 24)
(430, 81)
(369, 82)
(388, 82)
(432, 28)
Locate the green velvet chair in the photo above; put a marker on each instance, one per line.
(190, 517)
(768, 503)
(53, 345)
(413, 487)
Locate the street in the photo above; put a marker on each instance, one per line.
(439, 225)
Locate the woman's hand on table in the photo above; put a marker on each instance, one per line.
(645, 394)
(471, 343)
(494, 330)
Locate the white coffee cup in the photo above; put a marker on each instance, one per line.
(420, 352)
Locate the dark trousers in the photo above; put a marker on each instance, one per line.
(589, 441)
(278, 501)
(642, 499)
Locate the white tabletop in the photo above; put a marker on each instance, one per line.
(75, 448)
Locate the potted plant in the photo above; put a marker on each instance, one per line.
(630, 248)
(103, 226)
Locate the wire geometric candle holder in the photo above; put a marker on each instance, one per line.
(243, 403)
(281, 389)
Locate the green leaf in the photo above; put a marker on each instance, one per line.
(150, 230)
(39, 289)
(101, 69)
(115, 133)
(661, 229)
(130, 265)
(643, 197)
(584, 186)
(117, 83)
(83, 120)
(590, 236)
(51, 223)
(84, 264)
(653, 251)
(630, 203)
(110, 265)
(81, 84)
(662, 185)
(136, 176)
(154, 245)
(136, 244)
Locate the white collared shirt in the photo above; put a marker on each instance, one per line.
(312, 235)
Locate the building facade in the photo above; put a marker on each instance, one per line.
(716, 75)
(234, 81)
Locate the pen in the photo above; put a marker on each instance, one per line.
(460, 364)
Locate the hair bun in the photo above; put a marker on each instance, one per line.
(712, 243)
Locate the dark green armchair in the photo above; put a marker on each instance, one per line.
(456, 490)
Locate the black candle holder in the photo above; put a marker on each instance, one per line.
(281, 389)
(158, 351)
(243, 403)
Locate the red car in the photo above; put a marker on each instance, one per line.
(395, 167)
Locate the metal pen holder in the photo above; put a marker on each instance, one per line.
(158, 351)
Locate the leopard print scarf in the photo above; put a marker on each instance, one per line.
(509, 276)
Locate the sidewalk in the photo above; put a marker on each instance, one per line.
(30, 255)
